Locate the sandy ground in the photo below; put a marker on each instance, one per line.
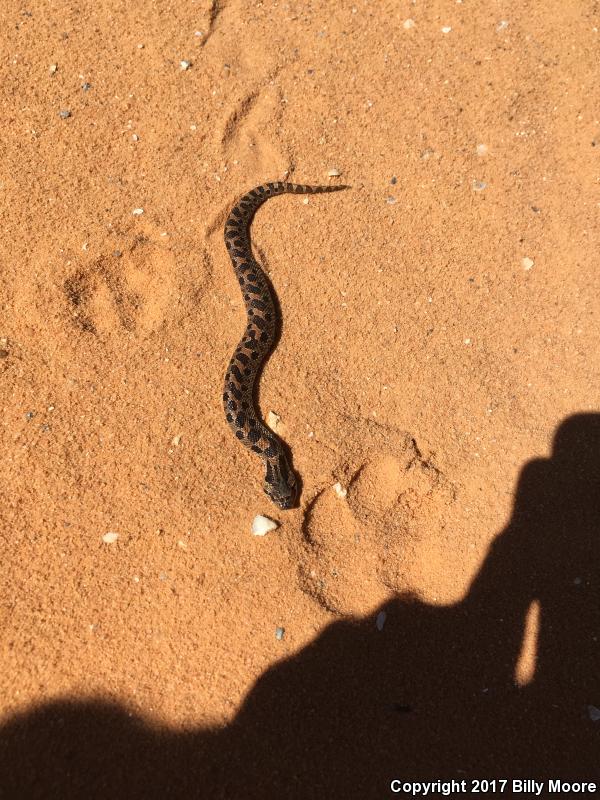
(439, 328)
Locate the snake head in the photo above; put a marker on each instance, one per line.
(280, 484)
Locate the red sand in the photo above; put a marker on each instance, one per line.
(437, 331)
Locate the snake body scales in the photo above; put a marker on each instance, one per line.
(241, 412)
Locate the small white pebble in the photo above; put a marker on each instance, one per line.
(339, 490)
(135, 137)
(333, 173)
(479, 186)
(136, 579)
(185, 65)
(137, 212)
(502, 25)
(182, 544)
(408, 24)
(527, 263)
(262, 525)
(175, 440)
(279, 633)
(380, 621)
(110, 537)
(446, 29)
(53, 68)
(467, 341)
(273, 420)
(481, 149)
(305, 201)
(390, 200)
(594, 713)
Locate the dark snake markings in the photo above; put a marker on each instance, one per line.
(259, 337)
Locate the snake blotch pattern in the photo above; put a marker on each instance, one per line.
(243, 417)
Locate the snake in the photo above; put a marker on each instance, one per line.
(241, 379)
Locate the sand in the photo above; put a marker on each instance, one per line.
(438, 360)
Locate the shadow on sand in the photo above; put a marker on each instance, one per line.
(431, 696)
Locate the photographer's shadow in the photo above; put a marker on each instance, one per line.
(432, 696)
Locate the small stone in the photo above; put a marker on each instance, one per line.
(481, 149)
(339, 490)
(198, 33)
(137, 212)
(175, 440)
(467, 341)
(408, 24)
(29, 415)
(479, 186)
(273, 420)
(110, 537)
(52, 69)
(135, 137)
(390, 200)
(86, 86)
(502, 25)
(4, 354)
(65, 114)
(380, 621)
(262, 525)
(117, 253)
(279, 633)
(333, 173)
(527, 263)
(394, 180)
(446, 29)
(182, 544)
(185, 65)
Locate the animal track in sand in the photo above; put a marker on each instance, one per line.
(127, 291)
(361, 548)
(247, 132)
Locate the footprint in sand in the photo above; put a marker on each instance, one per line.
(124, 291)
(361, 548)
(247, 132)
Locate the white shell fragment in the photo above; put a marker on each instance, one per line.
(339, 490)
(527, 263)
(333, 173)
(110, 537)
(262, 525)
(137, 212)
